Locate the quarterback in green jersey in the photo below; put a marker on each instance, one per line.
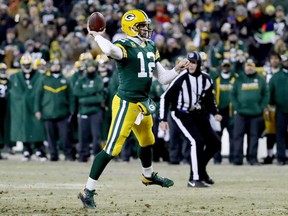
(137, 60)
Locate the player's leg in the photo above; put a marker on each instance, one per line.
(188, 125)
(270, 128)
(212, 142)
(145, 137)
(123, 118)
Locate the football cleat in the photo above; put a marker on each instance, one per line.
(196, 184)
(87, 198)
(209, 181)
(157, 180)
(268, 160)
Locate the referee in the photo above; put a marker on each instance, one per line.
(191, 99)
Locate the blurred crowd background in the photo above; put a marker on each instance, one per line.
(57, 29)
(225, 30)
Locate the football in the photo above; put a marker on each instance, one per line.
(96, 22)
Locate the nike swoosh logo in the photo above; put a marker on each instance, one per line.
(192, 184)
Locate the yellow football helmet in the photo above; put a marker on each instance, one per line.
(101, 58)
(103, 64)
(85, 56)
(203, 56)
(3, 70)
(38, 62)
(40, 65)
(77, 64)
(26, 63)
(133, 24)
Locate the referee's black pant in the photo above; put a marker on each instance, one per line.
(203, 140)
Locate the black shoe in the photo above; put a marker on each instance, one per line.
(83, 160)
(209, 181)
(196, 184)
(238, 163)
(53, 159)
(254, 163)
(69, 158)
(281, 162)
(268, 160)
(173, 162)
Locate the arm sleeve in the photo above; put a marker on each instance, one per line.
(233, 96)
(271, 92)
(265, 94)
(77, 89)
(164, 76)
(38, 96)
(108, 48)
(210, 98)
(71, 98)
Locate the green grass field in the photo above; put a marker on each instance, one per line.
(51, 188)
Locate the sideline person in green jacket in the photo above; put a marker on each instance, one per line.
(249, 97)
(223, 84)
(24, 126)
(278, 97)
(90, 93)
(54, 104)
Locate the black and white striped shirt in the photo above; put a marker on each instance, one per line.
(188, 93)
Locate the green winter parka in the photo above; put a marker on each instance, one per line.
(24, 125)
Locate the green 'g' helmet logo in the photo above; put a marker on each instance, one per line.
(129, 17)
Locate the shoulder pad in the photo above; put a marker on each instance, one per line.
(121, 41)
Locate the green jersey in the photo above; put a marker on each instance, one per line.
(135, 69)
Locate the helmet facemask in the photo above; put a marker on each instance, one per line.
(26, 63)
(42, 68)
(3, 74)
(27, 68)
(142, 30)
(3, 71)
